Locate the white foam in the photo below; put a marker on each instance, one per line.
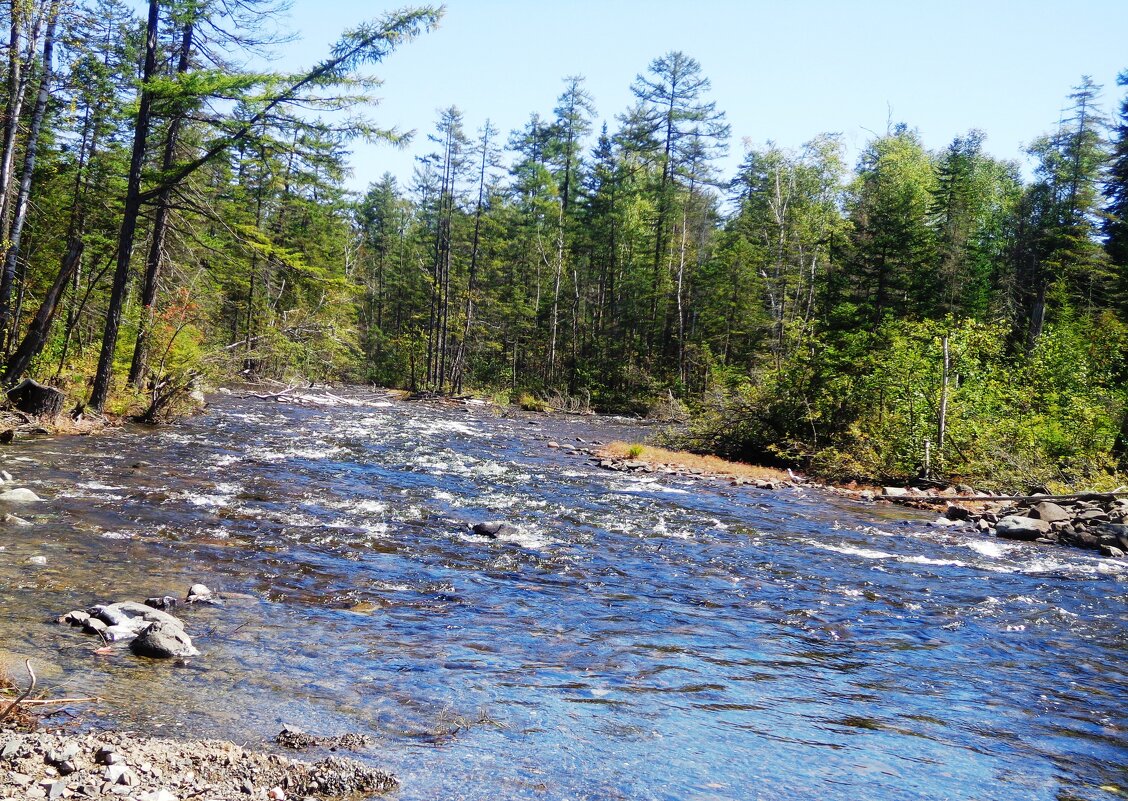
(926, 560)
(97, 485)
(370, 506)
(117, 535)
(432, 427)
(991, 548)
(850, 550)
(639, 485)
(531, 540)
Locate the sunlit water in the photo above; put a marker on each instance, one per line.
(641, 637)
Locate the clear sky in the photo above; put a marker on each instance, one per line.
(783, 70)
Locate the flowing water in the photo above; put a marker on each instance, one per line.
(639, 638)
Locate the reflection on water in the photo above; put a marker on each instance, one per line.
(634, 638)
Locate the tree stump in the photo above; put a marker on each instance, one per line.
(35, 399)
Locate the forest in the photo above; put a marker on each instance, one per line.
(170, 216)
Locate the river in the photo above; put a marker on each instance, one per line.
(640, 637)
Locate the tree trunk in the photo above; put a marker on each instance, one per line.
(36, 335)
(17, 86)
(104, 372)
(35, 399)
(160, 222)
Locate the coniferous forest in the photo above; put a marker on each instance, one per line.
(169, 214)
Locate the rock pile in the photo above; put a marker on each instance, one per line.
(127, 768)
(147, 628)
(1095, 521)
(299, 739)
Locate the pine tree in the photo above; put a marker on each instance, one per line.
(673, 127)
(1115, 225)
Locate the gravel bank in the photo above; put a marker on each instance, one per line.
(55, 765)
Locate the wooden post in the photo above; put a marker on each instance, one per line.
(942, 423)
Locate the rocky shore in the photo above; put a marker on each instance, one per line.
(122, 767)
(1094, 521)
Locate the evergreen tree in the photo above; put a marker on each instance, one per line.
(891, 242)
(1115, 225)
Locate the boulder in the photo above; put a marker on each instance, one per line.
(19, 495)
(125, 631)
(1114, 531)
(198, 593)
(894, 492)
(75, 618)
(163, 641)
(109, 614)
(1015, 527)
(494, 529)
(1048, 511)
(35, 399)
(144, 612)
(957, 512)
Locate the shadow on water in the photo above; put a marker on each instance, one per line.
(637, 637)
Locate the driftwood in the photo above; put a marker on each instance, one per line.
(273, 396)
(93, 699)
(1077, 496)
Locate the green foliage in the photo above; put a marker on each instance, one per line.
(1011, 423)
(799, 310)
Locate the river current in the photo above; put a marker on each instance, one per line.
(640, 637)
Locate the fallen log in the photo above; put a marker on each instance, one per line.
(1077, 496)
(273, 396)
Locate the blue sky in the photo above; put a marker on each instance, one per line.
(784, 70)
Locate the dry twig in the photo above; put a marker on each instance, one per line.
(30, 687)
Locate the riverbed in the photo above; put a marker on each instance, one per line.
(637, 637)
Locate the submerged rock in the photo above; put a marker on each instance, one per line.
(494, 529)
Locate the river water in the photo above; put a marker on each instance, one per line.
(639, 638)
